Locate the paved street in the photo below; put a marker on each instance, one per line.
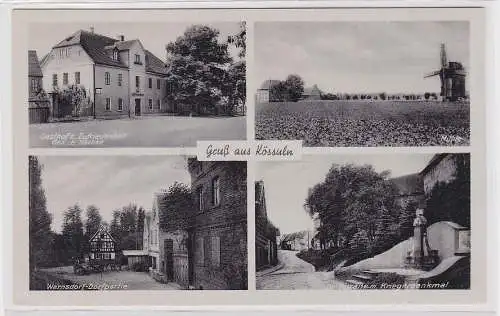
(297, 274)
(146, 131)
(114, 280)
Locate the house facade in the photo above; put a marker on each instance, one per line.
(38, 103)
(219, 227)
(266, 248)
(102, 246)
(441, 168)
(151, 237)
(121, 78)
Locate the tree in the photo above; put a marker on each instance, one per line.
(236, 86)
(406, 219)
(75, 97)
(383, 96)
(240, 40)
(197, 65)
(354, 204)
(40, 234)
(278, 92)
(72, 231)
(175, 206)
(93, 221)
(295, 87)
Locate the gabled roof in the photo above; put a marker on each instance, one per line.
(34, 69)
(102, 229)
(94, 45)
(154, 64)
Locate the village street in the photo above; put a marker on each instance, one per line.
(296, 274)
(145, 131)
(112, 280)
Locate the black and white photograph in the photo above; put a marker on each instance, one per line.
(363, 83)
(136, 84)
(364, 222)
(136, 223)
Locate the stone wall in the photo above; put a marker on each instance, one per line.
(442, 172)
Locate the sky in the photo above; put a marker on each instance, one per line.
(351, 57)
(287, 183)
(109, 182)
(153, 36)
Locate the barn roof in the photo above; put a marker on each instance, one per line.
(34, 69)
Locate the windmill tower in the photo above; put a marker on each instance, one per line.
(452, 75)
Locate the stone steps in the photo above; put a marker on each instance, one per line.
(362, 279)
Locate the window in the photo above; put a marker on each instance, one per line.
(120, 104)
(137, 82)
(77, 77)
(137, 59)
(54, 80)
(150, 83)
(215, 251)
(215, 191)
(34, 84)
(120, 79)
(107, 78)
(108, 104)
(115, 55)
(158, 104)
(65, 78)
(158, 83)
(150, 103)
(199, 193)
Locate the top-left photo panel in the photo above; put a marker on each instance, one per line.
(136, 84)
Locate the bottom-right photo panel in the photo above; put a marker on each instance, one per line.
(381, 221)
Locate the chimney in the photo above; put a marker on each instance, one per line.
(92, 29)
(121, 38)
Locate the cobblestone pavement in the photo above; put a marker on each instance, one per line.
(297, 274)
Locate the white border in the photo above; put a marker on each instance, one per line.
(493, 133)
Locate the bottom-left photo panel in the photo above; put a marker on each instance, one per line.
(137, 223)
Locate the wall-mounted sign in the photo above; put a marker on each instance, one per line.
(98, 90)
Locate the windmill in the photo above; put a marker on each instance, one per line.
(452, 75)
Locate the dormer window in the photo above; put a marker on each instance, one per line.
(115, 55)
(137, 59)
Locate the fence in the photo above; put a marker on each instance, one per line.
(39, 115)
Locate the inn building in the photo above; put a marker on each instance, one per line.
(121, 77)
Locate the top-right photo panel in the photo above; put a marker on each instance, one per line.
(363, 84)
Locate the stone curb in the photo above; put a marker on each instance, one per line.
(270, 270)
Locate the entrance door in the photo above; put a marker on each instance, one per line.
(138, 107)
(169, 258)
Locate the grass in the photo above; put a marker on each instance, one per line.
(365, 123)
